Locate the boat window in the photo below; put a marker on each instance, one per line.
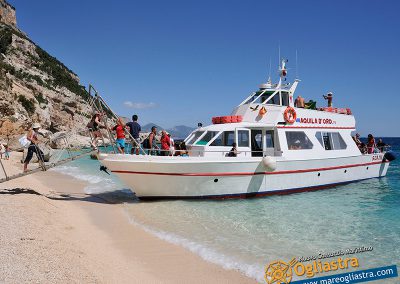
(269, 138)
(298, 140)
(275, 100)
(196, 136)
(243, 138)
(331, 140)
(338, 142)
(225, 138)
(285, 98)
(207, 137)
(318, 135)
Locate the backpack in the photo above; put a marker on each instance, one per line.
(90, 125)
(146, 143)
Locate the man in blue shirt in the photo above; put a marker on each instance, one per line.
(134, 130)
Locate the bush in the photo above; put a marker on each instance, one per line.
(71, 104)
(28, 104)
(41, 100)
(5, 40)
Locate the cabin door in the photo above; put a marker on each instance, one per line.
(256, 141)
(269, 143)
(243, 141)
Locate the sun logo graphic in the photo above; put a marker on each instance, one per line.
(279, 272)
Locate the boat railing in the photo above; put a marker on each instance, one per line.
(375, 149)
(200, 153)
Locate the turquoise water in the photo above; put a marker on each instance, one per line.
(248, 234)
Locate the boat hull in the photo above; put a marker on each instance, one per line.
(179, 177)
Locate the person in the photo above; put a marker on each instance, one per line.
(152, 146)
(233, 152)
(165, 143)
(2, 150)
(363, 148)
(371, 145)
(134, 130)
(381, 145)
(296, 145)
(172, 145)
(120, 130)
(94, 127)
(183, 151)
(357, 140)
(329, 98)
(177, 149)
(7, 153)
(299, 102)
(32, 136)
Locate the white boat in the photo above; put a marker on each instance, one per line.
(280, 149)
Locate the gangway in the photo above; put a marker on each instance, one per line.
(65, 153)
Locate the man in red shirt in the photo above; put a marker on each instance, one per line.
(165, 143)
(120, 129)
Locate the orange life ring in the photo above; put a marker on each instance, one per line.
(290, 115)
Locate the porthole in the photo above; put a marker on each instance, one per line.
(319, 174)
(367, 168)
(216, 180)
(345, 171)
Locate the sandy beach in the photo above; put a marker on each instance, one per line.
(52, 232)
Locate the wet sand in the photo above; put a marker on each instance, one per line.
(56, 233)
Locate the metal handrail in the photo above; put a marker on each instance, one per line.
(102, 102)
(223, 152)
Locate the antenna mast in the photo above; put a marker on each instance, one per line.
(269, 74)
(297, 74)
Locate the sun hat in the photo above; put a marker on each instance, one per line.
(36, 125)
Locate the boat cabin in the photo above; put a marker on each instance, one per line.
(267, 123)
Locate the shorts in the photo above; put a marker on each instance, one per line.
(120, 143)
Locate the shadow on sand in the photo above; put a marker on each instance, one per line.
(111, 197)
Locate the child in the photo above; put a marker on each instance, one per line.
(2, 150)
(7, 153)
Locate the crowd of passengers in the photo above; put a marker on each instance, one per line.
(165, 147)
(371, 146)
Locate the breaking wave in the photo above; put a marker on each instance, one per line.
(254, 271)
(97, 183)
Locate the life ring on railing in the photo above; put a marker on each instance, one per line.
(290, 115)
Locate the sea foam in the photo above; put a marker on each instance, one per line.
(254, 270)
(97, 184)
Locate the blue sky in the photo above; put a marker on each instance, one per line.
(181, 62)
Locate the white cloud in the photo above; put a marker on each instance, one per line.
(130, 104)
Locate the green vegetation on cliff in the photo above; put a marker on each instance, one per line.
(28, 104)
(60, 73)
(5, 39)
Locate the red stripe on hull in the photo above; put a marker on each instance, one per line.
(251, 173)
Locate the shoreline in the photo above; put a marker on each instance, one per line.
(98, 235)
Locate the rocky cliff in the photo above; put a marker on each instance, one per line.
(35, 86)
(7, 14)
